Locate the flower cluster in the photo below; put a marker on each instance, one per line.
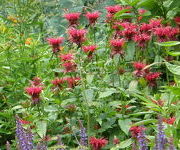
(55, 43)
(89, 50)
(97, 144)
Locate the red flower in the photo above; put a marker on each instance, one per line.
(135, 130)
(92, 17)
(34, 92)
(97, 144)
(155, 23)
(113, 9)
(89, 49)
(166, 33)
(77, 36)
(169, 120)
(141, 39)
(66, 57)
(117, 45)
(129, 31)
(36, 81)
(177, 20)
(55, 43)
(141, 12)
(116, 141)
(24, 121)
(72, 82)
(69, 66)
(151, 78)
(146, 28)
(72, 18)
(139, 72)
(58, 82)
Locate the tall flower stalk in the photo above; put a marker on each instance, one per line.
(24, 137)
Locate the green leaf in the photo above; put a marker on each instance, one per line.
(168, 44)
(144, 122)
(119, 13)
(123, 144)
(125, 125)
(41, 128)
(88, 94)
(50, 108)
(107, 93)
(89, 78)
(173, 53)
(130, 51)
(175, 69)
(133, 85)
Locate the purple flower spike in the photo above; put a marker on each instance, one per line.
(142, 141)
(83, 135)
(161, 138)
(41, 146)
(24, 137)
(171, 145)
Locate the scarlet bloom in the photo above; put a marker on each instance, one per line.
(141, 12)
(145, 28)
(151, 78)
(69, 66)
(113, 9)
(155, 23)
(66, 57)
(72, 81)
(58, 82)
(72, 18)
(92, 17)
(169, 120)
(117, 45)
(24, 121)
(139, 72)
(97, 144)
(55, 43)
(36, 81)
(89, 49)
(77, 35)
(141, 39)
(129, 31)
(136, 130)
(34, 92)
(177, 20)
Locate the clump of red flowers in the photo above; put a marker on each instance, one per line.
(169, 120)
(97, 144)
(66, 57)
(92, 17)
(139, 69)
(117, 46)
(141, 12)
(142, 39)
(89, 50)
(151, 78)
(55, 43)
(58, 82)
(34, 92)
(177, 20)
(77, 35)
(136, 130)
(72, 18)
(69, 66)
(72, 81)
(36, 81)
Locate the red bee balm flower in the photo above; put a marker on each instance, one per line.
(69, 66)
(34, 92)
(151, 78)
(92, 17)
(72, 82)
(58, 82)
(55, 42)
(36, 81)
(141, 39)
(97, 144)
(116, 141)
(155, 22)
(66, 57)
(145, 28)
(117, 45)
(177, 20)
(169, 120)
(77, 36)
(89, 49)
(139, 72)
(135, 130)
(72, 18)
(113, 9)
(24, 121)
